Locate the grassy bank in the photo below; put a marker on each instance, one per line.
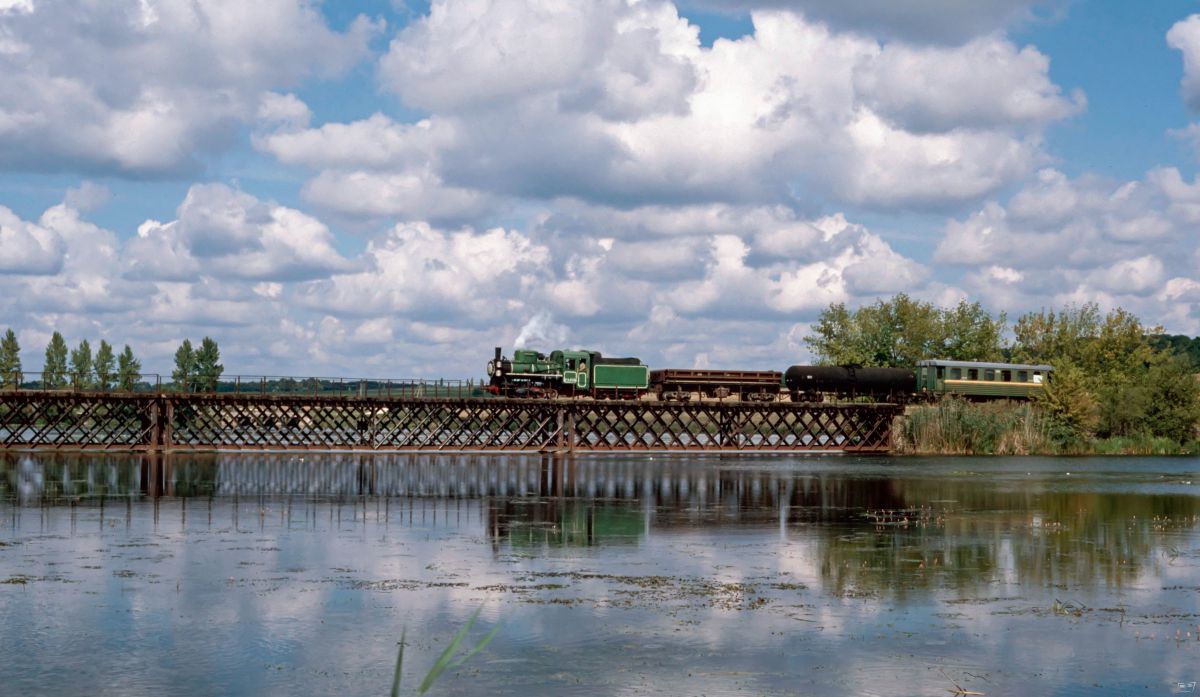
(958, 427)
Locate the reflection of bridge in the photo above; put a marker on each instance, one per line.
(960, 529)
(170, 422)
(664, 482)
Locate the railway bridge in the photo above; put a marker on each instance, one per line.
(169, 421)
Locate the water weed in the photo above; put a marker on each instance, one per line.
(447, 658)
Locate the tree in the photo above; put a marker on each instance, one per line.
(1188, 347)
(901, 331)
(81, 366)
(103, 365)
(10, 360)
(55, 370)
(1174, 403)
(185, 366)
(207, 366)
(1042, 337)
(128, 369)
(1073, 410)
(1111, 357)
(970, 334)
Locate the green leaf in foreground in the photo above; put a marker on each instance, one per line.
(446, 660)
(399, 664)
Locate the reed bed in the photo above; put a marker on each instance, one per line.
(958, 427)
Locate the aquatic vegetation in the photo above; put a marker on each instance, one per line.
(959, 427)
(447, 658)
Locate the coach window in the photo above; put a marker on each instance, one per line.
(1022, 376)
(972, 373)
(941, 373)
(1006, 375)
(989, 374)
(956, 373)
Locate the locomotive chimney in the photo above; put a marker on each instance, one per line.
(497, 354)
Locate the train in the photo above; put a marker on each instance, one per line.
(583, 373)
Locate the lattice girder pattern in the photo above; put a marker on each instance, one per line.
(255, 422)
(73, 421)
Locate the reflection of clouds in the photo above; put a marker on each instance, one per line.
(323, 586)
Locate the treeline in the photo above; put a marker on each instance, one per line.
(1113, 377)
(1188, 347)
(80, 368)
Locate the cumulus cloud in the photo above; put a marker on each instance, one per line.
(141, 87)
(849, 262)
(1061, 240)
(225, 233)
(425, 273)
(28, 248)
(617, 103)
(1184, 36)
(986, 83)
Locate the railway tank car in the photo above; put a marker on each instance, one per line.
(812, 383)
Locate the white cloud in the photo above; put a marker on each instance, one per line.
(409, 195)
(424, 272)
(141, 88)
(27, 248)
(285, 112)
(1062, 240)
(608, 57)
(230, 234)
(1184, 36)
(617, 103)
(987, 83)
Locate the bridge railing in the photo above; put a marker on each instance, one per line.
(280, 385)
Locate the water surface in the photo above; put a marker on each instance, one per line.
(818, 575)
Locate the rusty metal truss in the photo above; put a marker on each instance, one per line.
(249, 422)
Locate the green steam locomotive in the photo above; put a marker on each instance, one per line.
(567, 373)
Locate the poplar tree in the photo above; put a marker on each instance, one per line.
(55, 370)
(10, 360)
(185, 366)
(208, 369)
(103, 365)
(81, 366)
(128, 369)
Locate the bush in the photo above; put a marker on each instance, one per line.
(955, 426)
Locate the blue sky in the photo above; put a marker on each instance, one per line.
(390, 188)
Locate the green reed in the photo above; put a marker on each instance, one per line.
(447, 658)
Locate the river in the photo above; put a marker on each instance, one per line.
(285, 574)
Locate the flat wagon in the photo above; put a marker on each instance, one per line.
(681, 384)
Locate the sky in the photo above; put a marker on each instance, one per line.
(390, 189)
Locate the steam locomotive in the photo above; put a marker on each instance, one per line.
(565, 373)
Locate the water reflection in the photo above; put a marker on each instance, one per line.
(876, 526)
(295, 574)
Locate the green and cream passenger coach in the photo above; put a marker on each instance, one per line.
(531, 373)
(981, 380)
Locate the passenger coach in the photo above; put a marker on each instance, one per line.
(978, 380)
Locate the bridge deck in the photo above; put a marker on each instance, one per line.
(89, 421)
